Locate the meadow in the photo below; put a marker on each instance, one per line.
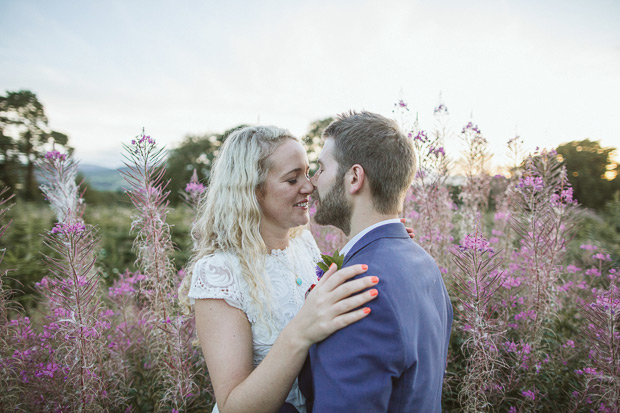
(89, 318)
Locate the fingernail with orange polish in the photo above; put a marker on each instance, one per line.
(373, 292)
(364, 267)
(374, 280)
(366, 310)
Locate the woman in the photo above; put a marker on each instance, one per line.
(253, 263)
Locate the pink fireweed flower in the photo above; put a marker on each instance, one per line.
(402, 104)
(421, 136)
(601, 257)
(436, 151)
(590, 370)
(142, 139)
(529, 395)
(588, 247)
(593, 271)
(569, 344)
(605, 302)
(195, 188)
(441, 109)
(565, 197)
(68, 228)
(475, 242)
(533, 182)
(510, 346)
(572, 268)
(54, 155)
(470, 127)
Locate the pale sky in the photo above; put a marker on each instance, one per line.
(548, 70)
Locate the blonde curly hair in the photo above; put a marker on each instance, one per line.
(229, 214)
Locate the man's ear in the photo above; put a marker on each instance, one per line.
(356, 177)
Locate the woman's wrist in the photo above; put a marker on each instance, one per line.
(293, 337)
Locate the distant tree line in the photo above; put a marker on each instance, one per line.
(25, 137)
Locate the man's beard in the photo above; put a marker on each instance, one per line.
(334, 208)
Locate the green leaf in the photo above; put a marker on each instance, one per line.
(328, 260)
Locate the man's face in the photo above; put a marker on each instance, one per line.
(332, 205)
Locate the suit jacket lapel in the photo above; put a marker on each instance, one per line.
(394, 230)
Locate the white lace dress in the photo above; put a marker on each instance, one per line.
(219, 276)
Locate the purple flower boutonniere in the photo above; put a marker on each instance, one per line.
(328, 260)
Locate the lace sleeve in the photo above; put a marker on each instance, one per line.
(310, 245)
(214, 277)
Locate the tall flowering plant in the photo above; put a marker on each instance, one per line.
(602, 329)
(170, 354)
(71, 370)
(193, 192)
(476, 282)
(543, 217)
(9, 370)
(475, 193)
(427, 201)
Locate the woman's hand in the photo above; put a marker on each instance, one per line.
(333, 304)
(409, 230)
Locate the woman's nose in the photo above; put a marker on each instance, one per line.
(307, 187)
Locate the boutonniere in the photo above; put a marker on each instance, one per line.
(328, 260)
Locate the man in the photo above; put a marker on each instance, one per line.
(393, 360)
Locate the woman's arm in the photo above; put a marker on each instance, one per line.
(226, 340)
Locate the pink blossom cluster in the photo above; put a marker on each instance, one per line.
(528, 394)
(564, 197)
(436, 151)
(602, 257)
(471, 127)
(420, 136)
(195, 188)
(54, 155)
(533, 182)
(475, 242)
(125, 284)
(63, 228)
(142, 139)
(441, 109)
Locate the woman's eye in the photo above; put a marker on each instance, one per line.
(292, 181)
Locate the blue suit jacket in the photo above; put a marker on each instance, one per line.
(394, 359)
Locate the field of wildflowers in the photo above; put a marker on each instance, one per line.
(536, 325)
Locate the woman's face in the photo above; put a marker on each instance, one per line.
(284, 195)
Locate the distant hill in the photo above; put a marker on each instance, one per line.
(103, 179)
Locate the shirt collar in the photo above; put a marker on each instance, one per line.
(365, 231)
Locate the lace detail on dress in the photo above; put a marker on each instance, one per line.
(213, 277)
(310, 244)
(219, 276)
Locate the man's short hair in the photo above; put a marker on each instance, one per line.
(386, 154)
